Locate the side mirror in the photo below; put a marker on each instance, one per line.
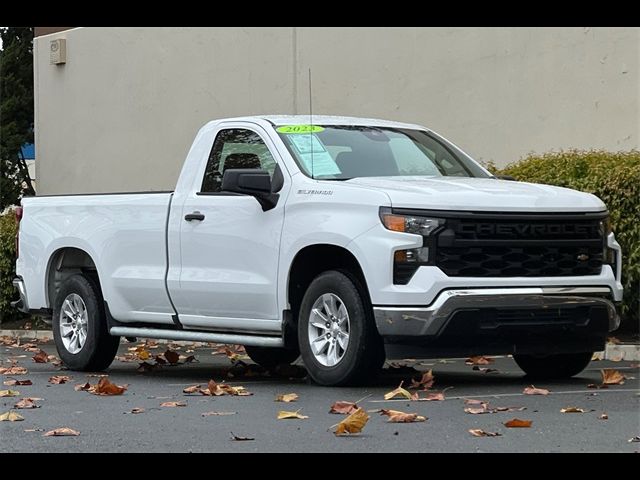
(506, 177)
(251, 181)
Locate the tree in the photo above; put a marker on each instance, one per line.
(16, 113)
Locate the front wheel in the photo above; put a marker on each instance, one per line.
(80, 327)
(563, 365)
(338, 339)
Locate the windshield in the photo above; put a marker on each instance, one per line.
(345, 152)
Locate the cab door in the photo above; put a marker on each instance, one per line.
(229, 246)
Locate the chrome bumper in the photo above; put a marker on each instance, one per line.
(427, 321)
(22, 304)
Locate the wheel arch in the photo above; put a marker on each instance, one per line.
(63, 263)
(314, 259)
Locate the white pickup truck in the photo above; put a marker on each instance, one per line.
(345, 241)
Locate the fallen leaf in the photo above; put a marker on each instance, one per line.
(284, 415)
(396, 416)
(219, 389)
(604, 416)
(430, 397)
(425, 382)
(287, 397)
(218, 414)
(143, 354)
(635, 439)
(171, 356)
(572, 410)
(82, 387)
(62, 432)
(189, 359)
(433, 397)
(398, 392)
(41, 357)
(173, 404)
(105, 388)
(145, 367)
(483, 408)
(192, 389)
(26, 403)
(236, 438)
(507, 409)
(160, 360)
(354, 423)
(485, 369)
(343, 408)
(11, 416)
(478, 360)
(611, 376)
(13, 382)
(14, 370)
(535, 391)
(476, 432)
(9, 393)
(517, 423)
(59, 379)
(213, 389)
(137, 410)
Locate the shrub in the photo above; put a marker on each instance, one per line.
(7, 266)
(615, 179)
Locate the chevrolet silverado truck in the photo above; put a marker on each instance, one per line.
(342, 240)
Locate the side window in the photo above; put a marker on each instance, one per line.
(235, 148)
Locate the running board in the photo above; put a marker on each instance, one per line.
(191, 336)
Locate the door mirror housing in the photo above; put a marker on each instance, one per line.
(251, 181)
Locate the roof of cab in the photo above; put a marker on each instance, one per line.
(279, 120)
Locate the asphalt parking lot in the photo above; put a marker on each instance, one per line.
(106, 424)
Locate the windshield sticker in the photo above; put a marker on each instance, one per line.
(300, 129)
(315, 157)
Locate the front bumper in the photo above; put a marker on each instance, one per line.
(533, 303)
(22, 304)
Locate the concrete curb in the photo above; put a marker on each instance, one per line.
(628, 352)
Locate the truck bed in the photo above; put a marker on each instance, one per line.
(124, 234)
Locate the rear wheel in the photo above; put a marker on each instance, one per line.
(338, 339)
(562, 365)
(271, 357)
(80, 328)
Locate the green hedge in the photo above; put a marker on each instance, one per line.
(7, 266)
(615, 179)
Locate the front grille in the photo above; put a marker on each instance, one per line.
(517, 246)
(546, 261)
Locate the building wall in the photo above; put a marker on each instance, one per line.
(121, 114)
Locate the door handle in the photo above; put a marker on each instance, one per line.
(194, 216)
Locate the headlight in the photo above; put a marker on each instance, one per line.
(407, 262)
(409, 224)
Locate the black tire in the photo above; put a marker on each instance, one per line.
(100, 348)
(364, 355)
(270, 358)
(562, 365)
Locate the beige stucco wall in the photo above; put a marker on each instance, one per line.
(121, 114)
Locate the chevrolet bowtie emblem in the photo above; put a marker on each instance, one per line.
(583, 257)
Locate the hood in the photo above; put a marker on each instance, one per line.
(480, 194)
